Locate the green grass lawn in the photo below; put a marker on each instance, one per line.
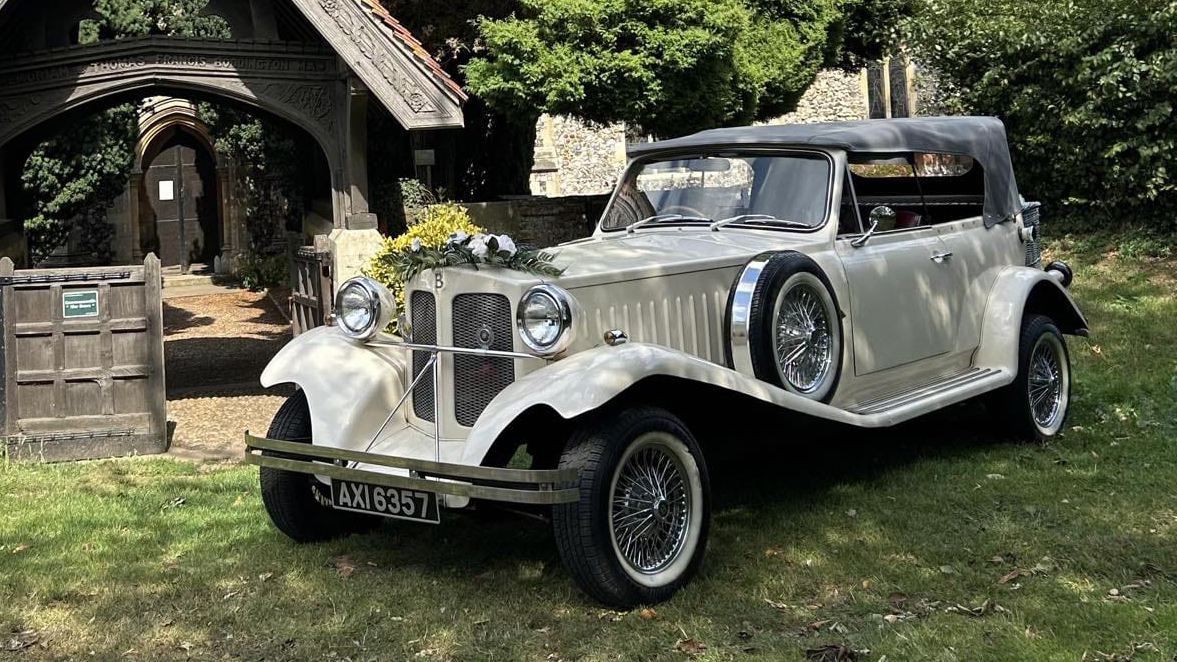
(933, 541)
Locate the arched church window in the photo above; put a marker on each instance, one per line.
(890, 88)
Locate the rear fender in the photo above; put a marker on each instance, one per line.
(1018, 291)
(589, 380)
(350, 387)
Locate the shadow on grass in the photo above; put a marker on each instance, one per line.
(140, 549)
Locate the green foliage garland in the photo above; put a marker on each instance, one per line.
(473, 250)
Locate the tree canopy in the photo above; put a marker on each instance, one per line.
(1085, 88)
(668, 66)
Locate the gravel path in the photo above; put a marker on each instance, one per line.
(216, 347)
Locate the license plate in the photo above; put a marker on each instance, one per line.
(394, 502)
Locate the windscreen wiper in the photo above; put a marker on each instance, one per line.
(766, 219)
(661, 218)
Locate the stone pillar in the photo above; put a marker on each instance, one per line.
(118, 215)
(133, 214)
(355, 152)
(355, 238)
(351, 250)
(228, 247)
(238, 233)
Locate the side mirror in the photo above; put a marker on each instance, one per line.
(878, 216)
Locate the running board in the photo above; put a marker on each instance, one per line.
(906, 403)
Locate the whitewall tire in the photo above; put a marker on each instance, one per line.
(638, 532)
(1036, 404)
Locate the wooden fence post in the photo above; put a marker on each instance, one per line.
(153, 298)
(7, 268)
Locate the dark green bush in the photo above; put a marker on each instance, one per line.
(260, 272)
(1085, 87)
(671, 67)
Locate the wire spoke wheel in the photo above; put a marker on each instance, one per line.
(1047, 382)
(804, 347)
(650, 508)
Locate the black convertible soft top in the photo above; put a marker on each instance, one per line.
(982, 138)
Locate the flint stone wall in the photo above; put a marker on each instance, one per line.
(576, 158)
(834, 96)
(540, 221)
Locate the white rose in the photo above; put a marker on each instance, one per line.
(415, 245)
(479, 247)
(458, 237)
(507, 245)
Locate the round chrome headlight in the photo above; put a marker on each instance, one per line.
(544, 319)
(363, 308)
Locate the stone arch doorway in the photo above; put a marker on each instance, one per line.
(311, 63)
(179, 199)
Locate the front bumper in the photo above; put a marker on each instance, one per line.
(521, 486)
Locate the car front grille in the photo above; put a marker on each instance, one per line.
(481, 321)
(424, 324)
(1031, 218)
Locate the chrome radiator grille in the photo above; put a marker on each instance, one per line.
(424, 323)
(1031, 217)
(481, 321)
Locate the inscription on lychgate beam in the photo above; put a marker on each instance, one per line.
(206, 62)
(385, 62)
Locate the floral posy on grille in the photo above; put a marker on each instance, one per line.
(474, 250)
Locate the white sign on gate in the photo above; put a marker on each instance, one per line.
(167, 190)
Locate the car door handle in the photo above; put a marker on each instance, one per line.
(940, 257)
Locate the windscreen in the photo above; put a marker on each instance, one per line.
(789, 191)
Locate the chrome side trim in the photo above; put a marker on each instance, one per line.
(741, 321)
(543, 487)
(921, 391)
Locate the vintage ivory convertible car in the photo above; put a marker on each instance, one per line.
(864, 273)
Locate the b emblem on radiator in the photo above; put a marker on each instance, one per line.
(486, 336)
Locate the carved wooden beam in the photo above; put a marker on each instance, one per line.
(413, 94)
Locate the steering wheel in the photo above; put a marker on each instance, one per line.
(682, 210)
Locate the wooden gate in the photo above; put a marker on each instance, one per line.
(81, 356)
(311, 289)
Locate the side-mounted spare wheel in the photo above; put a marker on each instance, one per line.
(785, 326)
(298, 504)
(638, 531)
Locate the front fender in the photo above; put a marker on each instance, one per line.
(588, 380)
(1016, 290)
(350, 387)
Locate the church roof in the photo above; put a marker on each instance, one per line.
(402, 33)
